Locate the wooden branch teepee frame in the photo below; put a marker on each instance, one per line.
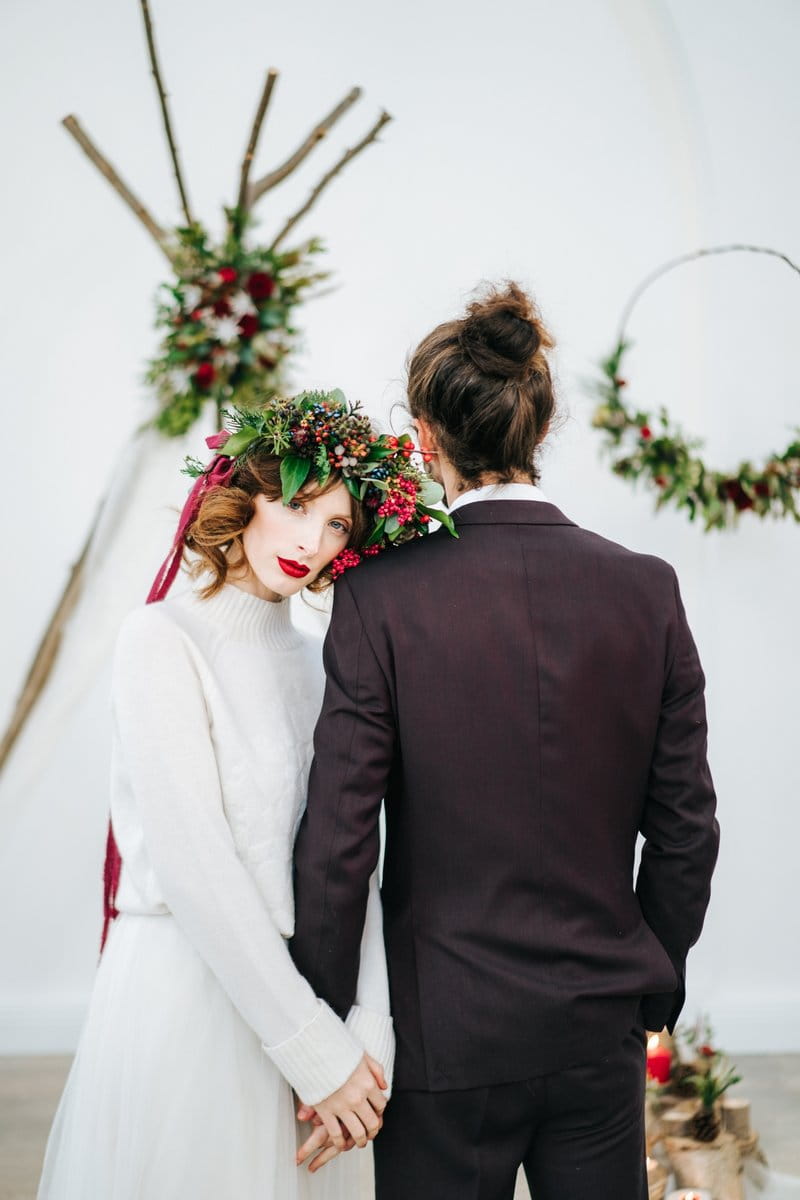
(248, 195)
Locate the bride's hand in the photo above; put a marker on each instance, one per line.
(351, 1114)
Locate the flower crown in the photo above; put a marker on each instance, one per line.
(316, 433)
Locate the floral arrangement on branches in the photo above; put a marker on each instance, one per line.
(649, 445)
(227, 325)
(226, 317)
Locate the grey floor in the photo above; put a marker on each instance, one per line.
(30, 1088)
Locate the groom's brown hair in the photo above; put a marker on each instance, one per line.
(484, 383)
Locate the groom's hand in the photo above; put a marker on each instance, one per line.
(352, 1115)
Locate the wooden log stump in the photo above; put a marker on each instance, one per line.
(736, 1116)
(715, 1166)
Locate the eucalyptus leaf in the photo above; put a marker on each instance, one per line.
(392, 524)
(294, 473)
(338, 397)
(431, 492)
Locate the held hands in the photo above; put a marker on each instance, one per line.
(352, 1116)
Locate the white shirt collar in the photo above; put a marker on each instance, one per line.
(499, 491)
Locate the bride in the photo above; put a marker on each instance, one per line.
(200, 1026)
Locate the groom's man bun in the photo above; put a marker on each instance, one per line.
(483, 382)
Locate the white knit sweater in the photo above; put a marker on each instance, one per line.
(214, 705)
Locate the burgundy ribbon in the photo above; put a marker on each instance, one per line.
(218, 474)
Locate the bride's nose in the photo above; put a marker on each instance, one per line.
(310, 539)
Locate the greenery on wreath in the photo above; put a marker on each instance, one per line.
(650, 446)
(227, 323)
(316, 433)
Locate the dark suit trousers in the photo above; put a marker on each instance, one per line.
(578, 1133)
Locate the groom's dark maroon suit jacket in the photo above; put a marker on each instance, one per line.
(527, 698)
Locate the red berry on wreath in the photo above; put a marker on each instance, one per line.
(228, 274)
(645, 432)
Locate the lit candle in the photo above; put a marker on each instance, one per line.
(659, 1060)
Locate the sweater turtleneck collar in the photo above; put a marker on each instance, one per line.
(247, 618)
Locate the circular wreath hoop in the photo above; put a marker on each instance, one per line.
(649, 445)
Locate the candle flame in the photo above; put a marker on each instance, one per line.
(653, 1042)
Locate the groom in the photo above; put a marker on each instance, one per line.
(527, 699)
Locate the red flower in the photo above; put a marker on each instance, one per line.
(260, 285)
(707, 1051)
(221, 308)
(661, 481)
(737, 495)
(248, 325)
(761, 488)
(228, 274)
(645, 432)
(205, 375)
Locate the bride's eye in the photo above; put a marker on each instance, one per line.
(340, 526)
(296, 505)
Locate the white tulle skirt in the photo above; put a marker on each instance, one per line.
(171, 1097)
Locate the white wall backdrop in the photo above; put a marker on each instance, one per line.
(571, 146)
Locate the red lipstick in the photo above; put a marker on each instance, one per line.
(295, 569)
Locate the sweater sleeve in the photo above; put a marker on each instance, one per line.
(369, 1020)
(165, 743)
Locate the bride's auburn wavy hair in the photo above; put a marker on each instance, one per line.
(213, 542)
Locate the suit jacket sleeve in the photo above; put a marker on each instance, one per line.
(338, 841)
(678, 823)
